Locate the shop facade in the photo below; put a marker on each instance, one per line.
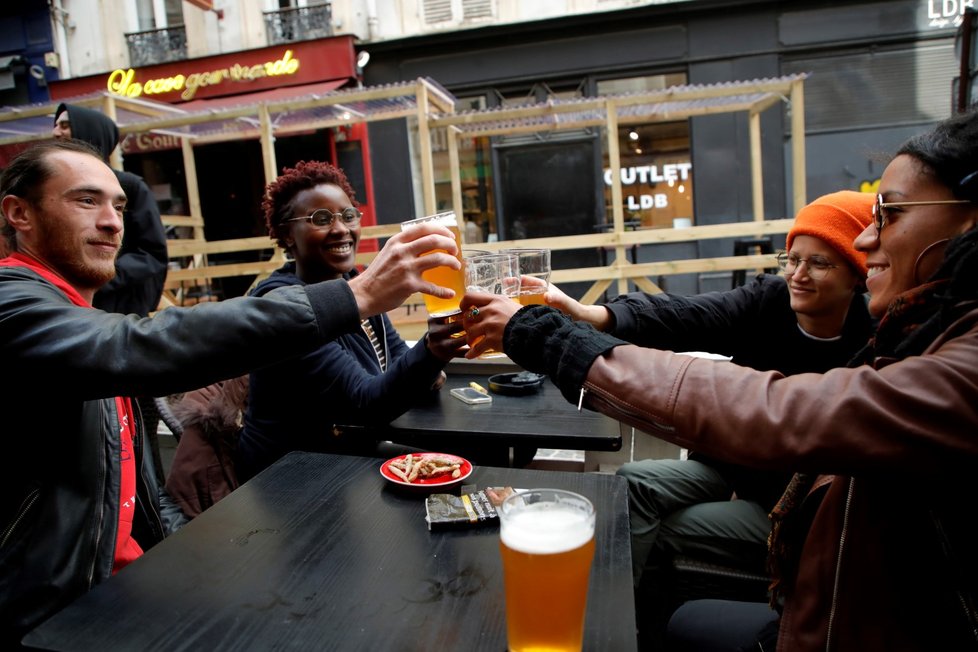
(879, 72)
(230, 172)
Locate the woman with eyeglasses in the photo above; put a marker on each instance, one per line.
(811, 319)
(368, 377)
(873, 544)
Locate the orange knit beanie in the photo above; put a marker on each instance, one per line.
(837, 219)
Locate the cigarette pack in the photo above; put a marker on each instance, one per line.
(445, 511)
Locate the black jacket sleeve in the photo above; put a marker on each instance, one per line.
(718, 322)
(546, 341)
(89, 354)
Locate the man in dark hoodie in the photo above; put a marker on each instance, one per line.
(140, 269)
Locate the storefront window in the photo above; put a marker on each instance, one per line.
(655, 160)
(475, 171)
(656, 175)
(656, 168)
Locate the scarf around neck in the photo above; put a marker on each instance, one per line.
(29, 262)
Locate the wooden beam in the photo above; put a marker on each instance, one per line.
(267, 145)
(798, 174)
(427, 163)
(180, 248)
(664, 268)
(193, 194)
(455, 169)
(756, 174)
(595, 291)
(181, 220)
(617, 196)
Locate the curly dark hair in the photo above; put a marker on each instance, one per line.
(278, 204)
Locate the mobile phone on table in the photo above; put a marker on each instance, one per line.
(470, 395)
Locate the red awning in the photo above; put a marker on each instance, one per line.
(281, 93)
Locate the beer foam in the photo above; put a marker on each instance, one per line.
(447, 219)
(545, 530)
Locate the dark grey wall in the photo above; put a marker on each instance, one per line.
(836, 161)
(390, 162)
(547, 56)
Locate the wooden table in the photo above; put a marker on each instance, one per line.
(544, 419)
(318, 552)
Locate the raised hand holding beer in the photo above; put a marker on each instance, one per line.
(546, 539)
(400, 269)
(448, 276)
(485, 318)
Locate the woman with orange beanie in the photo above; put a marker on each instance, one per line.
(812, 319)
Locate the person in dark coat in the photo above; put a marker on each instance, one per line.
(812, 319)
(140, 269)
(366, 377)
(78, 498)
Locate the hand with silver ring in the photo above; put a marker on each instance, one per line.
(486, 316)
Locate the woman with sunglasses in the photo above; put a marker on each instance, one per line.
(368, 377)
(873, 544)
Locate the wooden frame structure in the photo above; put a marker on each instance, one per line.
(429, 107)
(668, 105)
(420, 99)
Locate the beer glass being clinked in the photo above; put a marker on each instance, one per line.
(444, 276)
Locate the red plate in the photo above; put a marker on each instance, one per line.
(439, 481)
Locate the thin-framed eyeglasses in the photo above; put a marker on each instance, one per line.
(880, 208)
(818, 266)
(324, 217)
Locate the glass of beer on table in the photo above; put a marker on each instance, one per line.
(546, 538)
(447, 309)
(535, 270)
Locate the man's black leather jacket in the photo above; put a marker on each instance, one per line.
(60, 366)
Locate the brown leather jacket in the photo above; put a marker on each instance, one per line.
(900, 437)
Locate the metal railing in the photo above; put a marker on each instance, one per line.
(299, 23)
(157, 46)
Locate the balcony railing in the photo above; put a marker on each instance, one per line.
(157, 46)
(299, 23)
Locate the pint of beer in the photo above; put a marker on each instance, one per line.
(535, 270)
(546, 537)
(494, 274)
(443, 276)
